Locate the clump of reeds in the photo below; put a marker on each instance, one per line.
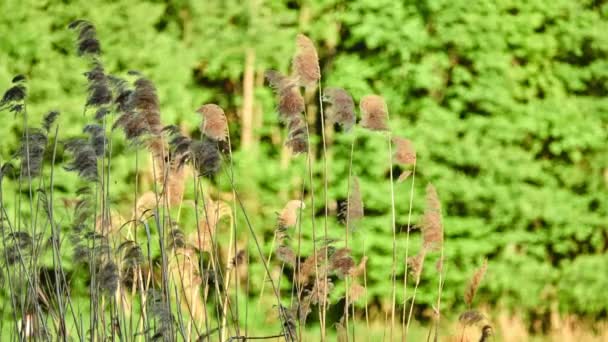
(183, 287)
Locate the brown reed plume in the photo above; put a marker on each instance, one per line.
(341, 109)
(432, 225)
(341, 262)
(297, 137)
(374, 113)
(289, 215)
(352, 210)
(415, 264)
(470, 317)
(404, 151)
(87, 42)
(215, 124)
(98, 89)
(14, 96)
(473, 286)
(291, 102)
(474, 318)
(305, 62)
(290, 108)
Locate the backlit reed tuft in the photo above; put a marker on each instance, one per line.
(305, 62)
(404, 151)
(215, 124)
(32, 149)
(84, 161)
(206, 157)
(290, 100)
(98, 89)
(87, 42)
(352, 210)
(374, 113)
(297, 137)
(432, 225)
(49, 119)
(470, 317)
(13, 97)
(341, 109)
(473, 286)
(415, 264)
(289, 215)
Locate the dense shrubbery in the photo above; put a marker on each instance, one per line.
(505, 101)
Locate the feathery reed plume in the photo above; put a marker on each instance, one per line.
(18, 78)
(175, 184)
(297, 138)
(99, 92)
(473, 286)
(179, 146)
(145, 101)
(108, 277)
(471, 317)
(320, 290)
(215, 125)
(341, 262)
(179, 155)
(49, 120)
(286, 255)
(122, 94)
(308, 267)
(291, 102)
(101, 113)
(301, 308)
(305, 62)
(14, 96)
(279, 82)
(32, 152)
(289, 215)
(132, 126)
(404, 151)
(352, 210)
(97, 138)
(290, 107)
(84, 159)
(479, 320)
(432, 226)
(86, 43)
(206, 157)
(416, 263)
(7, 169)
(360, 268)
(140, 116)
(342, 107)
(355, 292)
(17, 246)
(374, 113)
(176, 238)
(131, 259)
(157, 309)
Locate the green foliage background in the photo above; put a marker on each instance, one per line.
(505, 101)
